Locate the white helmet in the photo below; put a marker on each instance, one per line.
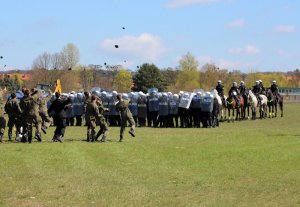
(141, 93)
(234, 84)
(242, 82)
(169, 93)
(114, 93)
(219, 81)
(274, 81)
(260, 81)
(257, 82)
(181, 92)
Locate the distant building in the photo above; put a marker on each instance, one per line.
(290, 94)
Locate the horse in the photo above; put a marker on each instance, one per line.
(279, 101)
(263, 106)
(231, 106)
(246, 107)
(252, 100)
(271, 103)
(222, 106)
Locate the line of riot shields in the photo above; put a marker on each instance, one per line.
(154, 109)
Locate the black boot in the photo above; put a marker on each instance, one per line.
(121, 139)
(1, 135)
(38, 137)
(10, 136)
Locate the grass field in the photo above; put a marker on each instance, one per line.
(248, 163)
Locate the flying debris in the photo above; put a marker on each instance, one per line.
(4, 66)
(69, 68)
(116, 46)
(124, 61)
(137, 66)
(1, 57)
(104, 63)
(123, 27)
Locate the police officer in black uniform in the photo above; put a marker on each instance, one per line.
(274, 88)
(235, 89)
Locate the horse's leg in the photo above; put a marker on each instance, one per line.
(281, 107)
(228, 111)
(269, 109)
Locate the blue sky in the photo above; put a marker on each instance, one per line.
(233, 34)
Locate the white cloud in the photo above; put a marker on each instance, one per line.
(285, 29)
(246, 50)
(237, 23)
(145, 46)
(183, 3)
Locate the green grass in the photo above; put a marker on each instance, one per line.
(248, 163)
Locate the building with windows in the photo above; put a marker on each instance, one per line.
(290, 94)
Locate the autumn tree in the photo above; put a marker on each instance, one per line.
(188, 77)
(123, 81)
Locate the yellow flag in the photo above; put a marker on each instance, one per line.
(58, 86)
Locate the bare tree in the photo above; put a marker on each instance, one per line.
(57, 60)
(43, 61)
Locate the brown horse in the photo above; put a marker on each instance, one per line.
(232, 107)
(279, 101)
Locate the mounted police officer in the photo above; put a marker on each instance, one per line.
(262, 88)
(274, 88)
(256, 89)
(220, 89)
(234, 92)
(242, 88)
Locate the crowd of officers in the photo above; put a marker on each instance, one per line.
(40, 110)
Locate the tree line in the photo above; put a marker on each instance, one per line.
(187, 76)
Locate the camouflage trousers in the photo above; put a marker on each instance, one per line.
(91, 129)
(103, 128)
(124, 120)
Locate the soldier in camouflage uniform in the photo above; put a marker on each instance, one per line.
(14, 112)
(87, 100)
(2, 119)
(92, 113)
(29, 106)
(43, 111)
(122, 108)
(101, 120)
